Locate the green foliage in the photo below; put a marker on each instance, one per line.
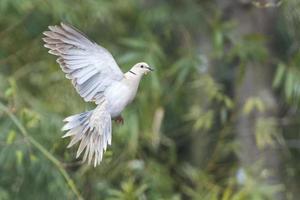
(267, 132)
(184, 112)
(250, 48)
(128, 191)
(287, 78)
(253, 103)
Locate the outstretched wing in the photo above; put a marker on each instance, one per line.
(90, 67)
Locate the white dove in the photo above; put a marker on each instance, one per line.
(96, 77)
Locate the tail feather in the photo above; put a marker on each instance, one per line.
(76, 117)
(93, 130)
(72, 132)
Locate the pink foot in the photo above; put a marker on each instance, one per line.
(119, 120)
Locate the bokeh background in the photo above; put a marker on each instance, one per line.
(218, 119)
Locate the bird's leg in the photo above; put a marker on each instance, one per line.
(119, 120)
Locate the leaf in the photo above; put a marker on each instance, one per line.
(218, 42)
(253, 103)
(227, 193)
(33, 158)
(11, 137)
(19, 156)
(266, 132)
(134, 43)
(228, 102)
(279, 75)
(288, 89)
(9, 92)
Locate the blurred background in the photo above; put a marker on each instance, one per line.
(218, 119)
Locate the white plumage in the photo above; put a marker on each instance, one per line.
(96, 77)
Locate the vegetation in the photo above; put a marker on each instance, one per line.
(218, 119)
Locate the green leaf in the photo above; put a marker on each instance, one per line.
(288, 89)
(11, 136)
(19, 156)
(279, 75)
(253, 103)
(33, 158)
(9, 92)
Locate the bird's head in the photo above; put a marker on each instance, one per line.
(140, 69)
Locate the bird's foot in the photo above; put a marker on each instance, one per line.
(119, 120)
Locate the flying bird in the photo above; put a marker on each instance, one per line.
(97, 78)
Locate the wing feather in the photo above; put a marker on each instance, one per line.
(90, 67)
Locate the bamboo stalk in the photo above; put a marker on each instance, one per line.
(44, 151)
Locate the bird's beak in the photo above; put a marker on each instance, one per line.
(150, 68)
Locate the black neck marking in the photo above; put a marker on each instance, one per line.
(132, 72)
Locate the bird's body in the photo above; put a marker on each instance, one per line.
(97, 78)
(121, 93)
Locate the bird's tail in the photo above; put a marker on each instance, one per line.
(93, 129)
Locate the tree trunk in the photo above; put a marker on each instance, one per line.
(263, 164)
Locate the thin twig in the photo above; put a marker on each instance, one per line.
(44, 151)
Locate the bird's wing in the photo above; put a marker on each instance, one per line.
(90, 67)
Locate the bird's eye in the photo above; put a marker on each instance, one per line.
(142, 66)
